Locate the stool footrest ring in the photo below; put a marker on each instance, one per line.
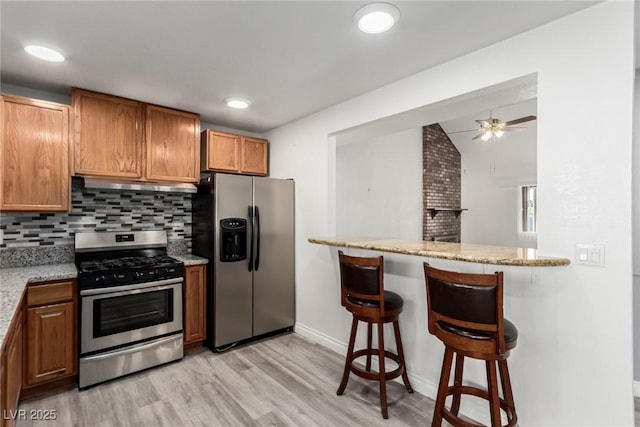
(473, 391)
(370, 375)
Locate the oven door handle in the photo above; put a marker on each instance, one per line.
(135, 349)
(111, 289)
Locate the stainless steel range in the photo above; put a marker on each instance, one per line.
(130, 303)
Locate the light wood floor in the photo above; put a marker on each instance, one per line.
(282, 381)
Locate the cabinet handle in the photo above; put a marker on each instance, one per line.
(57, 313)
(56, 372)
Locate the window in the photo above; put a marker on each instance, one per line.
(529, 208)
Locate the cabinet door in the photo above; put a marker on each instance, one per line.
(222, 151)
(108, 135)
(194, 304)
(12, 369)
(172, 145)
(51, 343)
(254, 156)
(34, 154)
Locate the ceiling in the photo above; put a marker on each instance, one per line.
(290, 58)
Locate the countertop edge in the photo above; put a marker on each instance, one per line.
(189, 259)
(442, 253)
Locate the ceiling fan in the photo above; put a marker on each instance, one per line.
(495, 127)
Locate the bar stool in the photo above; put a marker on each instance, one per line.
(363, 294)
(465, 313)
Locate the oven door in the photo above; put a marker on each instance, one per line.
(121, 315)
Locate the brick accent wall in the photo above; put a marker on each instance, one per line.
(441, 183)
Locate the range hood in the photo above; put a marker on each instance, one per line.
(139, 186)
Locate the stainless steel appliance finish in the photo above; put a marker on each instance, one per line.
(113, 364)
(91, 340)
(254, 295)
(130, 303)
(154, 187)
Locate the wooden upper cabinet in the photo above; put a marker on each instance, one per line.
(220, 151)
(34, 155)
(108, 135)
(226, 152)
(172, 146)
(254, 156)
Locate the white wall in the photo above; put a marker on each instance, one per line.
(379, 186)
(573, 363)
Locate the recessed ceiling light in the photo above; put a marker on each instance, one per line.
(44, 53)
(237, 102)
(376, 18)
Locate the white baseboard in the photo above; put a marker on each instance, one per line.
(320, 338)
(636, 388)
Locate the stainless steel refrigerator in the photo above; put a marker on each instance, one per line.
(244, 225)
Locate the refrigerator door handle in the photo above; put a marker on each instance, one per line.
(250, 214)
(257, 216)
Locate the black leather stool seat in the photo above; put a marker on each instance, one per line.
(392, 301)
(510, 332)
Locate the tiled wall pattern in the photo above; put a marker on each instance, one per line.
(100, 210)
(441, 183)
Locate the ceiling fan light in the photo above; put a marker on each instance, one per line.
(376, 18)
(486, 136)
(499, 133)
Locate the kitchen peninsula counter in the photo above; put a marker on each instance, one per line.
(467, 252)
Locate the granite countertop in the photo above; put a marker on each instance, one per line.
(189, 259)
(483, 254)
(14, 280)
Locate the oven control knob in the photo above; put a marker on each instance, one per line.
(161, 272)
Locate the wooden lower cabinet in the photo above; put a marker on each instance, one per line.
(194, 305)
(50, 343)
(50, 336)
(11, 371)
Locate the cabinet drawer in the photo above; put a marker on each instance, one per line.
(49, 293)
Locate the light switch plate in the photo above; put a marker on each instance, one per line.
(590, 254)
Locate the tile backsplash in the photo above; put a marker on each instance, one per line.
(99, 210)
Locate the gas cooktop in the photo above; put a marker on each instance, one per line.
(115, 258)
(125, 263)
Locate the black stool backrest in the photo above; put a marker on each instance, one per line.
(362, 278)
(466, 300)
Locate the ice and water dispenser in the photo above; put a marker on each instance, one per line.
(233, 239)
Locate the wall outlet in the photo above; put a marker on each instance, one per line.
(587, 254)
